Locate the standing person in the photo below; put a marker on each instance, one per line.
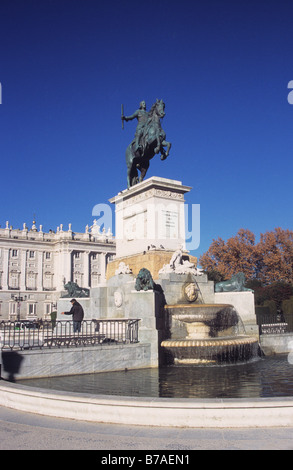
(77, 315)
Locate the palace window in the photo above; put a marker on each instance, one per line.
(14, 280)
(77, 276)
(12, 308)
(32, 308)
(95, 279)
(48, 281)
(47, 308)
(31, 281)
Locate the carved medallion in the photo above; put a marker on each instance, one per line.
(190, 292)
(118, 299)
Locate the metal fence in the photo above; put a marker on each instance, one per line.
(273, 328)
(274, 323)
(30, 335)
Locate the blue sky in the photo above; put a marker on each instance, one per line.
(221, 66)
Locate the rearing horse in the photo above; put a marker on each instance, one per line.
(153, 142)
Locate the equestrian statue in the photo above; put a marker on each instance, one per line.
(149, 140)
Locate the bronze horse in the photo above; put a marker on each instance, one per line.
(152, 142)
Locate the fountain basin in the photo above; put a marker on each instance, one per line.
(213, 350)
(207, 334)
(203, 320)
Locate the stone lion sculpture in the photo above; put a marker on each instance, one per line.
(144, 280)
(235, 284)
(73, 290)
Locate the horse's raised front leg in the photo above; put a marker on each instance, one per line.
(168, 145)
(157, 138)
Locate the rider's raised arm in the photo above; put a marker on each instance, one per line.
(133, 116)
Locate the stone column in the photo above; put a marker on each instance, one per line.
(64, 267)
(86, 268)
(67, 260)
(5, 268)
(103, 267)
(40, 271)
(23, 270)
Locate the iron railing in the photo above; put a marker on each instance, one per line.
(46, 334)
(273, 328)
(274, 323)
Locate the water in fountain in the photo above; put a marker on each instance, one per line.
(271, 376)
(207, 334)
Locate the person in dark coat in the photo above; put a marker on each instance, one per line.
(77, 315)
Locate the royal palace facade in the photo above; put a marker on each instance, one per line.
(35, 266)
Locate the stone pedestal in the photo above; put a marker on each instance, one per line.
(173, 287)
(244, 305)
(150, 215)
(148, 306)
(153, 260)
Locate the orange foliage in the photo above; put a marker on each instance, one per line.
(269, 260)
(276, 251)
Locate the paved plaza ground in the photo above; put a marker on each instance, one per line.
(27, 431)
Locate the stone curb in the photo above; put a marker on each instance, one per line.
(185, 413)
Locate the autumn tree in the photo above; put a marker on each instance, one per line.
(269, 261)
(238, 254)
(275, 250)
